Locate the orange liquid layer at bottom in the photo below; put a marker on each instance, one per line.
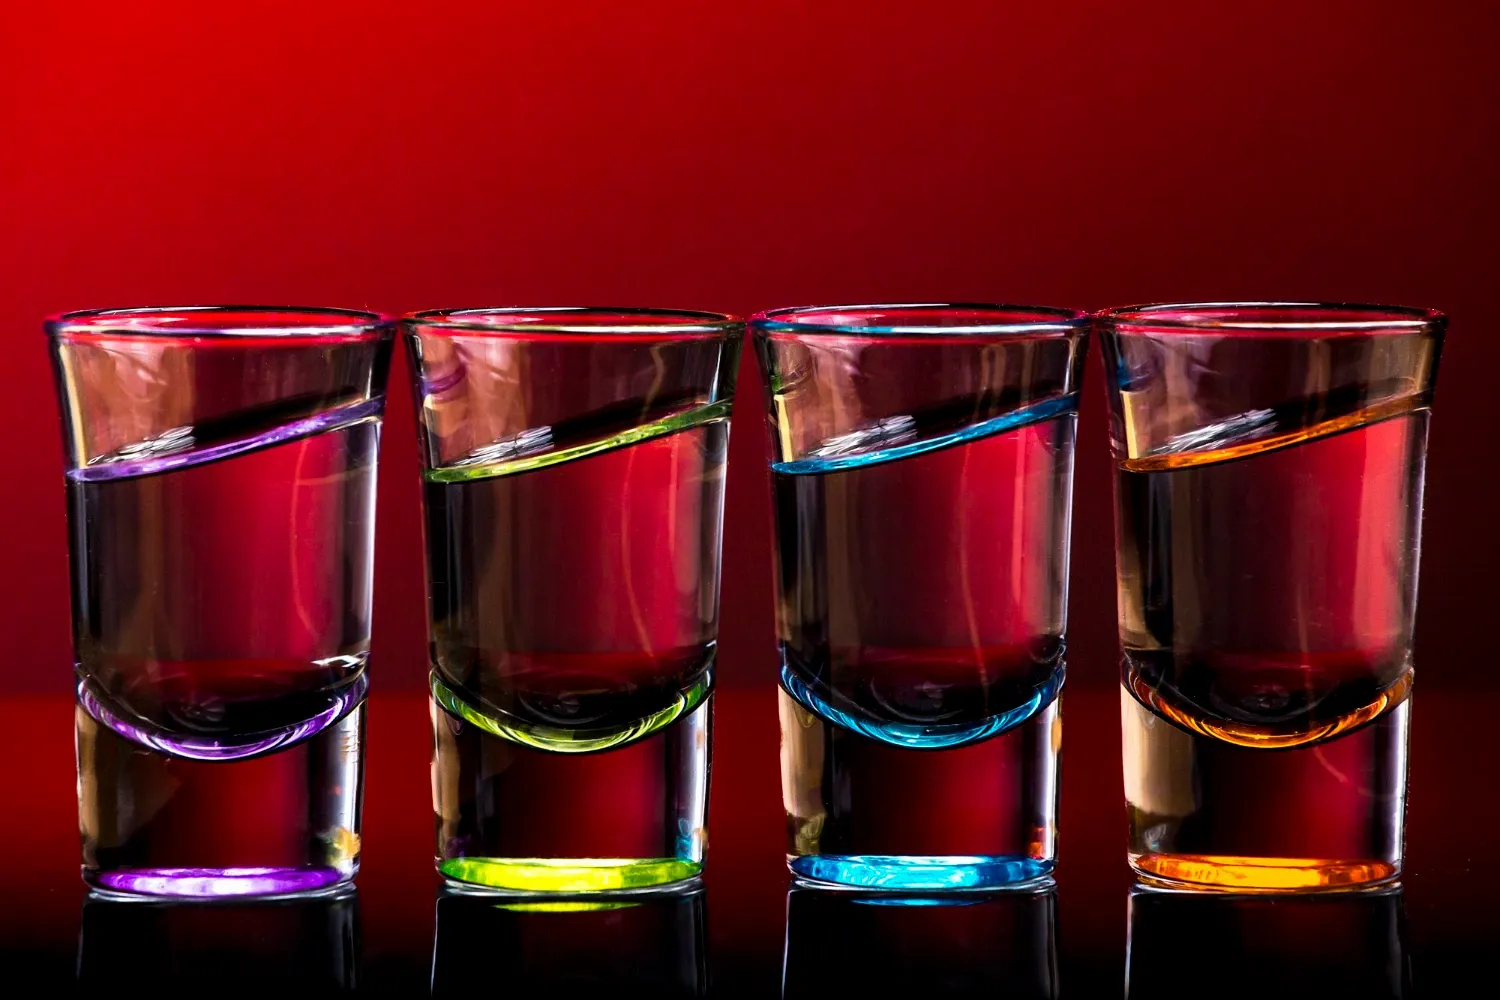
(1247, 874)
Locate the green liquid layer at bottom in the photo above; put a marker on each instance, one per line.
(568, 874)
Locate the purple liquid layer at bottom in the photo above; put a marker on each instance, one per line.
(217, 883)
(208, 748)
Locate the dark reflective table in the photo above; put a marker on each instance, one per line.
(234, 949)
(1340, 944)
(747, 931)
(1000, 945)
(652, 945)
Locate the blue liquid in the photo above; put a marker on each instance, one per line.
(923, 505)
(1035, 413)
(914, 873)
(926, 736)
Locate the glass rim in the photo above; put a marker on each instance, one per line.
(1006, 319)
(588, 321)
(1271, 316)
(233, 321)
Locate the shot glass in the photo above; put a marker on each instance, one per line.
(1268, 507)
(221, 505)
(922, 471)
(573, 466)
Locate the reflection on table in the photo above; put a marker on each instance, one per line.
(621, 945)
(851, 943)
(296, 947)
(1228, 945)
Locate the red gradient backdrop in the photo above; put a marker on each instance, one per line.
(735, 156)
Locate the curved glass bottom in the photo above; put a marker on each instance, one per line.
(226, 747)
(1159, 699)
(217, 883)
(921, 873)
(1225, 873)
(560, 740)
(919, 736)
(568, 874)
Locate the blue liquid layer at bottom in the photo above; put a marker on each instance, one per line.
(918, 736)
(879, 871)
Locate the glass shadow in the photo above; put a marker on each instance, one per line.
(1183, 944)
(841, 943)
(291, 947)
(587, 946)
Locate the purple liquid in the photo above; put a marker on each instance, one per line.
(221, 491)
(222, 619)
(222, 607)
(157, 823)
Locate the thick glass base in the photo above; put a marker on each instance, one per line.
(217, 883)
(567, 874)
(516, 818)
(156, 824)
(865, 813)
(921, 874)
(1209, 814)
(1231, 874)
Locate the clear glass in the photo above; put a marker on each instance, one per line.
(573, 466)
(221, 505)
(289, 947)
(842, 943)
(1236, 945)
(922, 474)
(1268, 522)
(625, 945)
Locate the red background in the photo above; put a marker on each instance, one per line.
(736, 156)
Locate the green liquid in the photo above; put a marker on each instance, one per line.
(562, 740)
(568, 874)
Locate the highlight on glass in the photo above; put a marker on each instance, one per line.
(221, 491)
(573, 466)
(1268, 502)
(922, 473)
